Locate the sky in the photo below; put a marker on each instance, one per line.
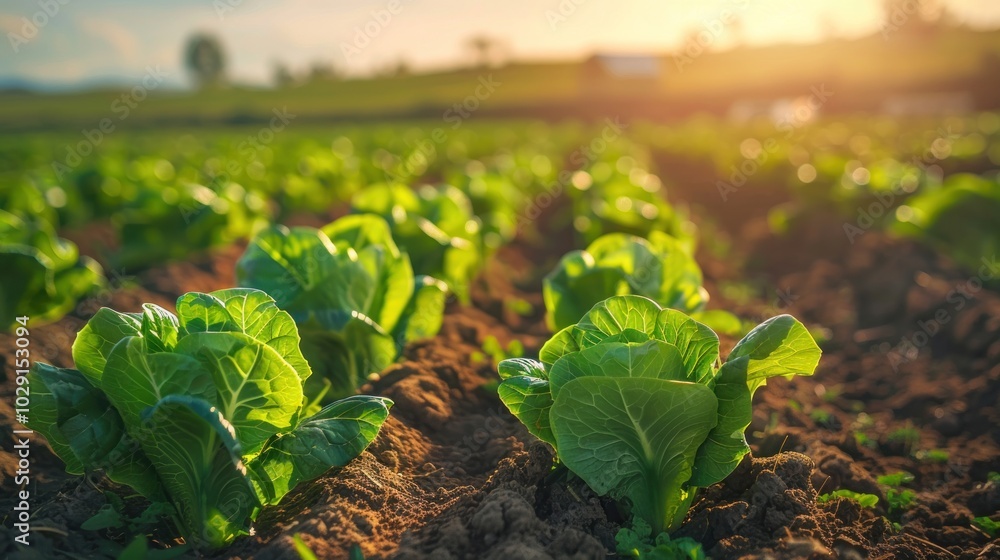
(85, 42)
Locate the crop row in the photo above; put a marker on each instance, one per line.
(222, 408)
(179, 201)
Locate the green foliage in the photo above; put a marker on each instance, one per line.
(496, 200)
(895, 480)
(351, 291)
(898, 499)
(934, 455)
(865, 500)
(989, 526)
(635, 403)
(43, 275)
(302, 549)
(865, 440)
(434, 226)
(958, 218)
(172, 221)
(630, 203)
(907, 436)
(638, 542)
(497, 353)
(519, 306)
(201, 412)
(821, 416)
(659, 268)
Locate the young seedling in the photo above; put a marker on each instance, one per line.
(865, 500)
(638, 542)
(987, 525)
(899, 499)
(934, 455)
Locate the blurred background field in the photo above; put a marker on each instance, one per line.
(940, 69)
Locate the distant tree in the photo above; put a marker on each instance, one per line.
(204, 58)
(485, 50)
(323, 72)
(402, 68)
(282, 76)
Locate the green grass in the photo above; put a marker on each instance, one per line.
(430, 93)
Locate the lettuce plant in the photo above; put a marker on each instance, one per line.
(43, 275)
(958, 219)
(202, 410)
(635, 402)
(350, 290)
(157, 226)
(619, 205)
(659, 268)
(496, 200)
(435, 226)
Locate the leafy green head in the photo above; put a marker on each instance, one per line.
(635, 402)
(496, 199)
(660, 268)
(153, 230)
(958, 218)
(351, 291)
(44, 275)
(435, 226)
(617, 204)
(203, 410)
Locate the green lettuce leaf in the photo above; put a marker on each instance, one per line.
(197, 458)
(99, 336)
(256, 390)
(635, 439)
(530, 400)
(135, 379)
(247, 311)
(435, 226)
(726, 444)
(780, 346)
(653, 359)
(44, 275)
(617, 264)
(331, 438)
(85, 431)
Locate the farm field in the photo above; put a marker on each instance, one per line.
(421, 270)
(858, 69)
